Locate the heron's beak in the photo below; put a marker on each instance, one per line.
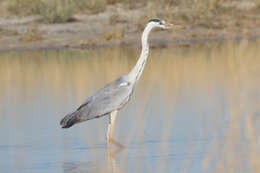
(172, 26)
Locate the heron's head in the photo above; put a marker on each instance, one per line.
(164, 25)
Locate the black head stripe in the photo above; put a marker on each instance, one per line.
(155, 20)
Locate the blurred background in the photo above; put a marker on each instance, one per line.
(29, 24)
(196, 107)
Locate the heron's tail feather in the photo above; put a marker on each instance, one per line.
(69, 120)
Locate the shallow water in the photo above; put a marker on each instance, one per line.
(196, 109)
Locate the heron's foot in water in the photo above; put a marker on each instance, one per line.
(111, 141)
(112, 153)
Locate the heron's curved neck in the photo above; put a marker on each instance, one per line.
(136, 72)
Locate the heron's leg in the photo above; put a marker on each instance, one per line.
(110, 130)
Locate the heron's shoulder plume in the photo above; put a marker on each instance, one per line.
(155, 20)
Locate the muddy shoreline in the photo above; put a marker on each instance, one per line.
(154, 44)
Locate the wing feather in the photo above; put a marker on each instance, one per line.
(113, 96)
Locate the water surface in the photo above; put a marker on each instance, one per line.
(196, 109)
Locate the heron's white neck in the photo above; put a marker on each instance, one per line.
(136, 72)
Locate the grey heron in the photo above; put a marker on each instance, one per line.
(110, 99)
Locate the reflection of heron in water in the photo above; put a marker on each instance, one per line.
(108, 100)
(108, 165)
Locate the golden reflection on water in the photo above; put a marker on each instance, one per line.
(206, 91)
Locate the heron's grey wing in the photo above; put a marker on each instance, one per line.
(113, 96)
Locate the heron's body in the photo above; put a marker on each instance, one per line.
(108, 99)
(111, 98)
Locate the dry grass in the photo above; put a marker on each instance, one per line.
(209, 14)
(91, 6)
(116, 34)
(32, 34)
(53, 11)
(6, 32)
(206, 13)
(24, 7)
(89, 42)
(57, 11)
(116, 18)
